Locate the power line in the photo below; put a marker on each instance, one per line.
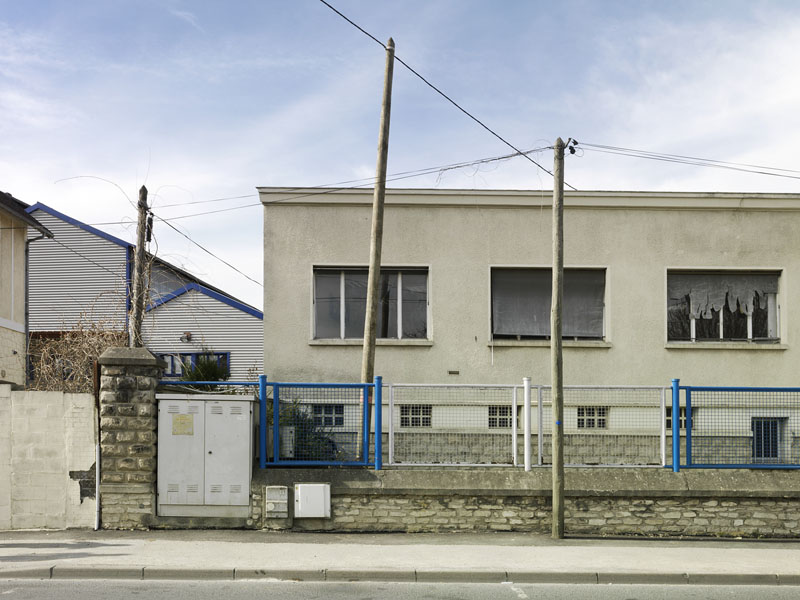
(690, 160)
(324, 189)
(207, 251)
(440, 92)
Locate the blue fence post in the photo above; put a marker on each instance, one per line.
(378, 423)
(365, 424)
(276, 417)
(688, 427)
(676, 425)
(262, 421)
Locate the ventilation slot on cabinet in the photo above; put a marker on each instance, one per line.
(235, 489)
(173, 409)
(194, 409)
(173, 488)
(215, 489)
(216, 410)
(237, 410)
(193, 488)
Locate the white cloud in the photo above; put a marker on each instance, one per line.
(187, 17)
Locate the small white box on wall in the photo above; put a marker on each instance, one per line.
(312, 500)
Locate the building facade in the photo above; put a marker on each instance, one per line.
(697, 286)
(84, 274)
(14, 226)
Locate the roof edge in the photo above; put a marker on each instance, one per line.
(246, 308)
(79, 224)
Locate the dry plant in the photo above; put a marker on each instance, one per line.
(64, 363)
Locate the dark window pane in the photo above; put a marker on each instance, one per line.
(415, 305)
(355, 303)
(734, 323)
(326, 304)
(707, 329)
(678, 319)
(760, 317)
(584, 290)
(521, 302)
(387, 306)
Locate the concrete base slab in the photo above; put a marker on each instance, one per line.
(371, 575)
(281, 574)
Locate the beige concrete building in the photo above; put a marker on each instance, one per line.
(697, 286)
(14, 224)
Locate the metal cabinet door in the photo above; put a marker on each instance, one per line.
(228, 452)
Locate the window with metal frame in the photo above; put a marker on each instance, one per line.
(706, 306)
(592, 417)
(767, 437)
(177, 362)
(681, 418)
(328, 415)
(415, 415)
(340, 303)
(499, 417)
(521, 299)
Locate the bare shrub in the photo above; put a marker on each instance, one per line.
(64, 363)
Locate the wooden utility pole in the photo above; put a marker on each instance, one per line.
(556, 364)
(137, 294)
(376, 237)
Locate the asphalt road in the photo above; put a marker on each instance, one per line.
(248, 590)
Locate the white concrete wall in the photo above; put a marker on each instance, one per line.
(44, 436)
(460, 235)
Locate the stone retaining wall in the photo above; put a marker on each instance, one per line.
(601, 501)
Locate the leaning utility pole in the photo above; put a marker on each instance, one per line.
(376, 238)
(137, 293)
(556, 364)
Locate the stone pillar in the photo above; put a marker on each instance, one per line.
(128, 419)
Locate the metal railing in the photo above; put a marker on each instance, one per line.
(735, 427)
(318, 423)
(482, 425)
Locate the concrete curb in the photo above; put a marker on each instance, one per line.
(401, 576)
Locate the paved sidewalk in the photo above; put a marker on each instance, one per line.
(521, 558)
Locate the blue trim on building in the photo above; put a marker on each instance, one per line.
(211, 294)
(79, 224)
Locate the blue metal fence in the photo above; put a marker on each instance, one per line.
(319, 423)
(734, 427)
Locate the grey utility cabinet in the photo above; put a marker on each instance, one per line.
(205, 450)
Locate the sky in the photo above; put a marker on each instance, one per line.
(204, 101)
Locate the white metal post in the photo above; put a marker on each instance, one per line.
(539, 424)
(526, 420)
(514, 426)
(391, 424)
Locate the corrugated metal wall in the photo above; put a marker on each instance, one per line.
(76, 273)
(214, 326)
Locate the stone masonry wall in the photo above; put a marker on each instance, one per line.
(128, 420)
(652, 502)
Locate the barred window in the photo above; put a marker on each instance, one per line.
(592, 417)
(499, 417)
(415, 415)
(681, 418)
(328, 415)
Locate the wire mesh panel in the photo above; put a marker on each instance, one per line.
(452, 424)
(318, 423)
(743, 427)
(606, 425)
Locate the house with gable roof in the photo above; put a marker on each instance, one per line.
(84, 274)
